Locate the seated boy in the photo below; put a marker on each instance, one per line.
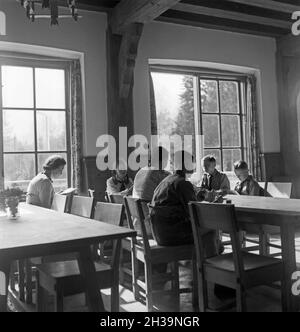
(247, 186)
(214, 182)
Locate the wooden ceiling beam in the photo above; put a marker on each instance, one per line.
(220, 13)
(174, 16)
(141, 11)
(269, 4)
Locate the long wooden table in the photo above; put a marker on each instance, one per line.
(40, 232)
(284, 213)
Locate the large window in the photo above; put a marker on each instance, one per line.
(203, 105)
(34, 120)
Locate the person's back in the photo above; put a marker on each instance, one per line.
(169, 211)
(40, 191)
(146, 181)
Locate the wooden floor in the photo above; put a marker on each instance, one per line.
(262, 299)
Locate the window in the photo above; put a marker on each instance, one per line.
(34, 120)
(203, 105)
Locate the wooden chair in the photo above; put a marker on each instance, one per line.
(239, 270)
(82, 206)
(276, 190)
(64, 279)
(26, 268)
(116, 199)
(60, 203)
(147, 251)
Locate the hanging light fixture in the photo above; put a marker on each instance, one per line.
(52, 5)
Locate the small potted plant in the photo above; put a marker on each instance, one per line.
(9, 201)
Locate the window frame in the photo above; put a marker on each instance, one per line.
(219, 76)
(45, 64)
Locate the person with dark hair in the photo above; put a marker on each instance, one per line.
(169, 211)
(120, 182)
(214, 183)
(40, 191)
(148, 178)
(247, 184)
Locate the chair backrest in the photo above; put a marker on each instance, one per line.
(111, 214)
(136, 211)
(216, 217)
(59, 203)
(279, 190)
(82, 206)
(263, 185)
(116, 199)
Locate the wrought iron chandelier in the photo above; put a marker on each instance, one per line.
(52, 5)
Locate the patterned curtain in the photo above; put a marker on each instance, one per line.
(76, 125)
(252, 129)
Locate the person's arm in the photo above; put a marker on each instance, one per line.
(254, 189)
(46, 193)
(225, 184)
(111, 187)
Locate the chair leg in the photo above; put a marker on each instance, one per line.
(28, 278)
(135, 275)
(176, 284)
(12, 281)
(59, 300)
(241, 299)
(203, 293)
(284, 297)
(40, 298)
(149, 286)
(21, 280)
(264, 249)
(195, 285)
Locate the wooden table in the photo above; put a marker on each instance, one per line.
(40, 232)
(284, 213)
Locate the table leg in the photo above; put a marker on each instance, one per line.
(87, 269)
(4, 281)
(290, 266)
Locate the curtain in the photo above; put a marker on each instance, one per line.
(76, 125)
(252, 129)
(154, 130)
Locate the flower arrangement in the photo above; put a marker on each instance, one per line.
(9, 201)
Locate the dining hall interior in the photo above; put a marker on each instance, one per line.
(97, 214)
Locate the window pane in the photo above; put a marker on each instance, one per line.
(231, 131)
(51, 128)
(229, 158)
(50, 88)
(17, 87)
(216, 154)
(229, 97)
(18, 131)
(209, 96)
(62, 182)
(174, 97)
(211, 131)
(19, 169)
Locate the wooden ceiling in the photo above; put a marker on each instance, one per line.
(258, 17)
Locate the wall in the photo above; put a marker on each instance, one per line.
(288, 58)
(170, 41)
(87, 37)
(159, 41)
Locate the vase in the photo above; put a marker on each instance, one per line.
(12, 208)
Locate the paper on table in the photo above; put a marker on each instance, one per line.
(68, 191)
